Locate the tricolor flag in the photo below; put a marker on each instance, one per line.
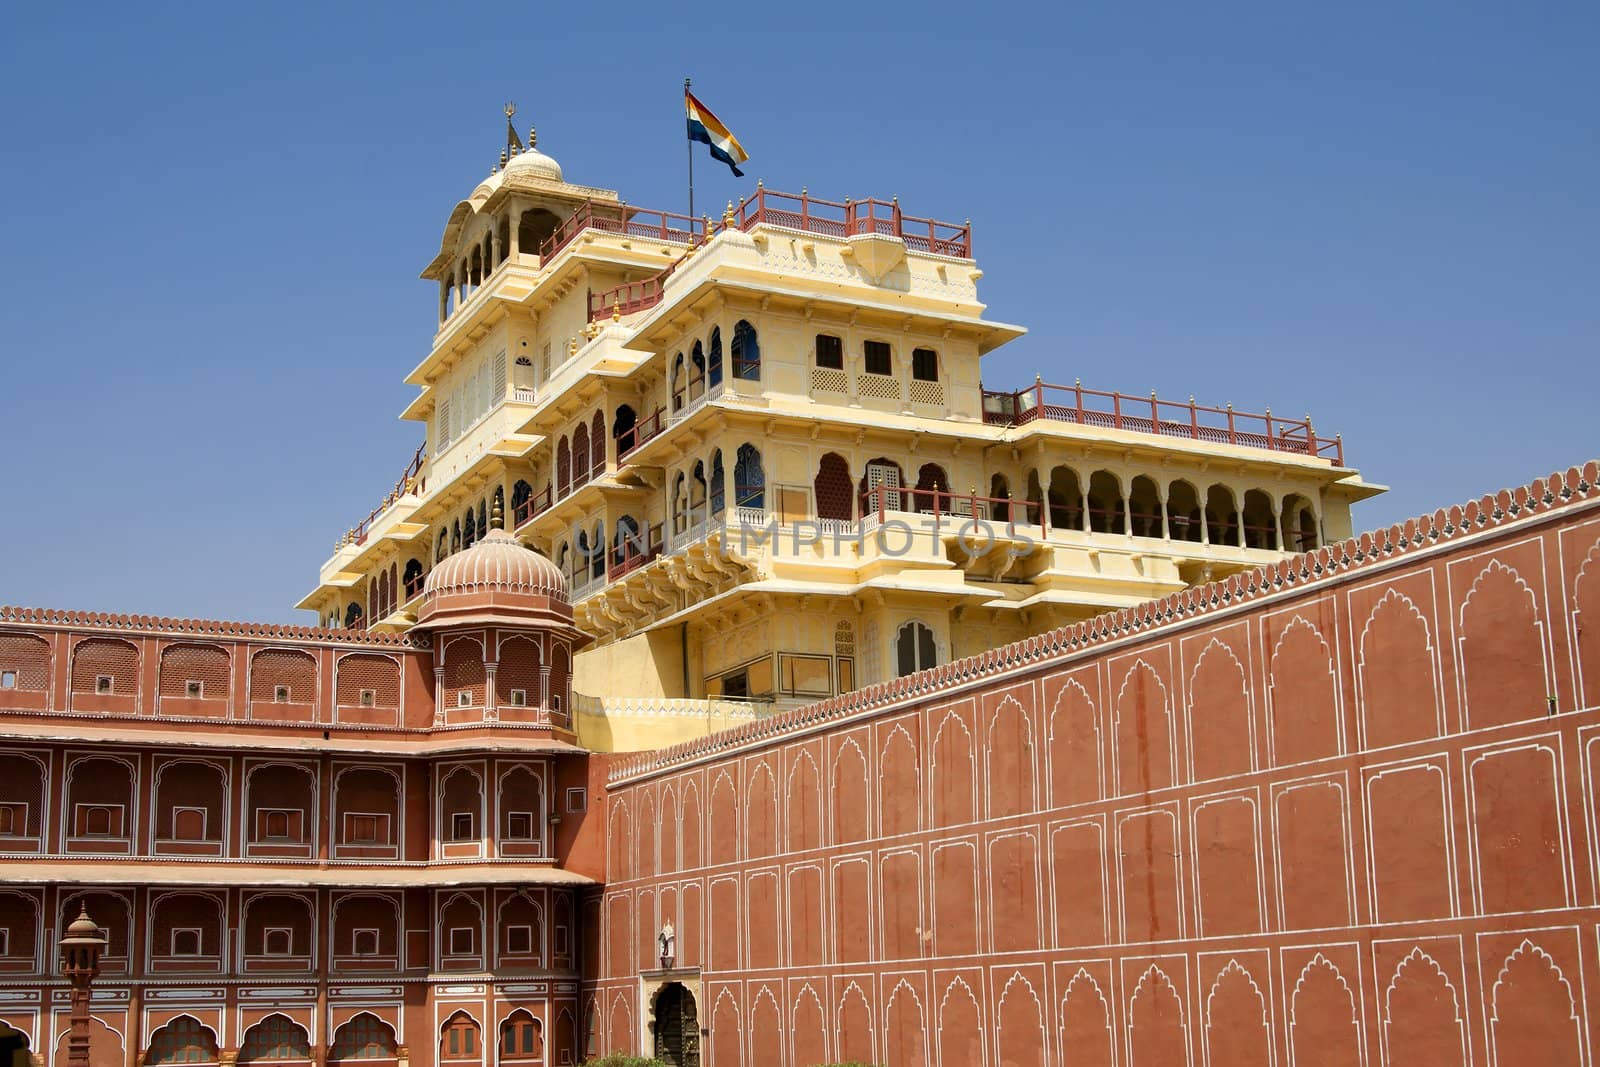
(707, 128)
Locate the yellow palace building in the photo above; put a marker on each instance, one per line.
(761, 449)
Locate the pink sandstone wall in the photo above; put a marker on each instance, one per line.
(1321, 815)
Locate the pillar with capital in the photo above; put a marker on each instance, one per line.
(80, 963)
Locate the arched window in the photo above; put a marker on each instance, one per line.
(933, 486)
(697, 487)
(914, 649)
(1105, 503)
(625, 540)
(444, 546)
(352, 616)
(697, 371)
(746, 352)
(364, 1037)
(275, 1039)
(469, 529)
(680, 504)
(1222, 516)
(1260, 524)
(458, 1039)
(676, 385)
(413, 578)
(714, 369)
(749, 480)
(597, 561)
(1144, 507)
(563, 467)
(832, 488)
(880, 485)
(521, 1036)
(580, 454)
(455, 537)
(1183, 512)
(718, 501)
(624, 429)
(597, 441)
(183, 1040)
(999, 499)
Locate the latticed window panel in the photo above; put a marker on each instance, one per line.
(183, 1040)
(293, 671)
(28, 657)
(597, 437)
(833, 490)
(275, 1039)
(363, 1038)
(362, 671)
(518, 669)
(464, 673)
(927, 392)
(878, 386)
(183, 664)
(844, 639)
(105, 657)
(824, 380)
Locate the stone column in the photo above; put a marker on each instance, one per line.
(491, 702)
(1166, 524)
(438, 695)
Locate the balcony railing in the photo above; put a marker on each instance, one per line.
(410, 480)
(525, 511)
(640, 432)
(1166, 418)
(625, 220)
(852, 218)
(629, 297)
(689, 394)
(414, 584)
(637, 549)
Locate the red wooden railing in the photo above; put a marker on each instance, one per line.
(635, 552)
(358, 535)
(414, 585)
(1168, 418)
(939, 503)
(640, 432)
(852, 217)
(531, 508)
(629, 297)
(622, 219)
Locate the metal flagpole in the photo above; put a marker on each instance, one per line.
(691, 159)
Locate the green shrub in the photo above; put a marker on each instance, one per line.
(622, 1059)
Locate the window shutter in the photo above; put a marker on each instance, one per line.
(442, 426)
(499, 378)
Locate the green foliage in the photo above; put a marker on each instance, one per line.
(852, 1063)
(622, 1059)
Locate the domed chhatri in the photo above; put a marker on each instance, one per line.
(497, 580)
(533, 163)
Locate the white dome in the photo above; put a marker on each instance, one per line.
(536, 164)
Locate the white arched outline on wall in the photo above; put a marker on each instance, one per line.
(1301, 621)
(762, 767)
(1588, 571)
(346, 898)
(933, 760)
(671, 832)
(738, 824)
(691, 784)
(480, 818)
(40, 926)
(1082, 975)
(794, 1013)
(1244, 695)
(397, 833)
(446, 652)
(542, 819)
(399, 673)
(482, 932)
(250, 900)
(787, 844)
(223, 768)
(1395, 596)
(97, 639)
(1038, 1010)
(542, 949)
(152, 909)
(916, 770)
(838, 1015)
(1494, 565)
(1026, 756)
(42, 761)
(312, 829)
(1050, 740)
(888, 1010)
(977, 1011)
(72, 765)
(1419, 958)
(1141, 665)
(250, 670)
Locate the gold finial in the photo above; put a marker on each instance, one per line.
(727, 216)
(497, 518)
(572, 346)
(1036, 378)
(803, 190)
(705, 226)
(511, 108)
(533, 138)
(760, 184)
(616, 310)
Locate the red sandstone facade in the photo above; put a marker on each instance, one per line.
(1340, 811)
(1337, 812)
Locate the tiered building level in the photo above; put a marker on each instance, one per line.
(762, 452)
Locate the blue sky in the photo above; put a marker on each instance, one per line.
(1384, 215)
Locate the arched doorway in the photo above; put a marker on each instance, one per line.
(13, 1047)
(677, 1027)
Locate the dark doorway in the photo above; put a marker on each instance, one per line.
(14, 1046)
(677, 1027)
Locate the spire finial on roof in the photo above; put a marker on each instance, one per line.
(497, 517)
(513, 143)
